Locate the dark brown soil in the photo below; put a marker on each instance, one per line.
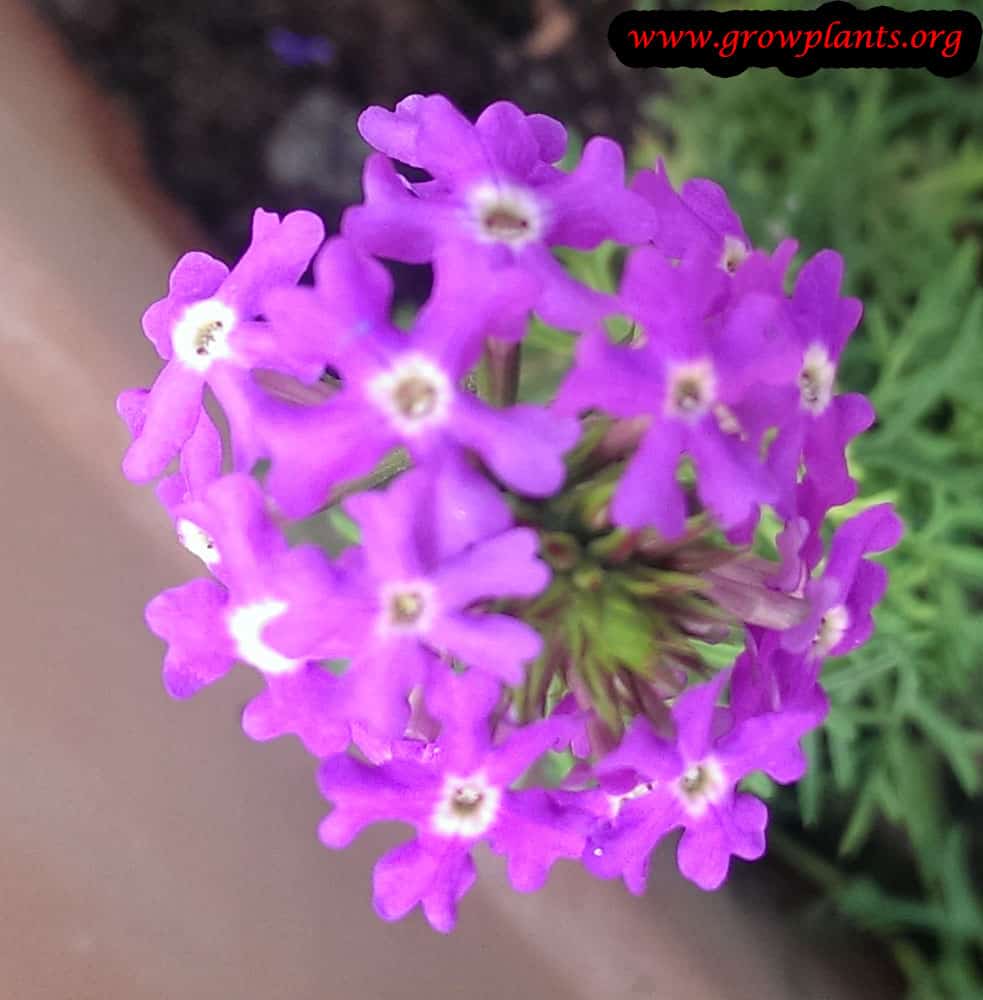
(230, 123)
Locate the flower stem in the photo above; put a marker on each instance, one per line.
(502, 362)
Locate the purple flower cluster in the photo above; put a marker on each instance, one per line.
(510, 654)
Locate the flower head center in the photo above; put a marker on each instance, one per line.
(832, 628)
(687, 394)
(467, 799)
(615, 802)
(197, 541)
(734, 254)
(506, 213)
(700, 785)
(467, 806)
(415, 397)
(206, 337)
(816, 379)
(692, 388)
(246, 624)
(406, 608)
(694, 781)
(505, 224)
(414, 393)
(201, 335)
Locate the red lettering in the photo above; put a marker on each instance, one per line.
(813, 39)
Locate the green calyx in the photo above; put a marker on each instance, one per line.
(629, 615)
(620, 614)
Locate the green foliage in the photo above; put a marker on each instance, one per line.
(887, 168)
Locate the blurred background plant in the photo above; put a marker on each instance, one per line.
(251, 103)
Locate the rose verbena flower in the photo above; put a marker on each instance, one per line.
(494, 628)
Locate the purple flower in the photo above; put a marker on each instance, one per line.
(494, 197)
(208, 329)
(455, 793)
(208, 626)
(396, 390)
(697, 223)
(405, 598)
(699, 229)
(768, 679)
(800, 542)
(687, 375)
(815, 424)
(842, 598)
(690, 782)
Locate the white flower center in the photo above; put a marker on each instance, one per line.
(408, 607)
(202, 334)
(734, 254)
(415, 394)
(615, 802)
(197, 542)
(246, 624)
(700, 785)
(506, 213)
(832, 628)
(467, 807)
(692, 390)
(816, 379)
